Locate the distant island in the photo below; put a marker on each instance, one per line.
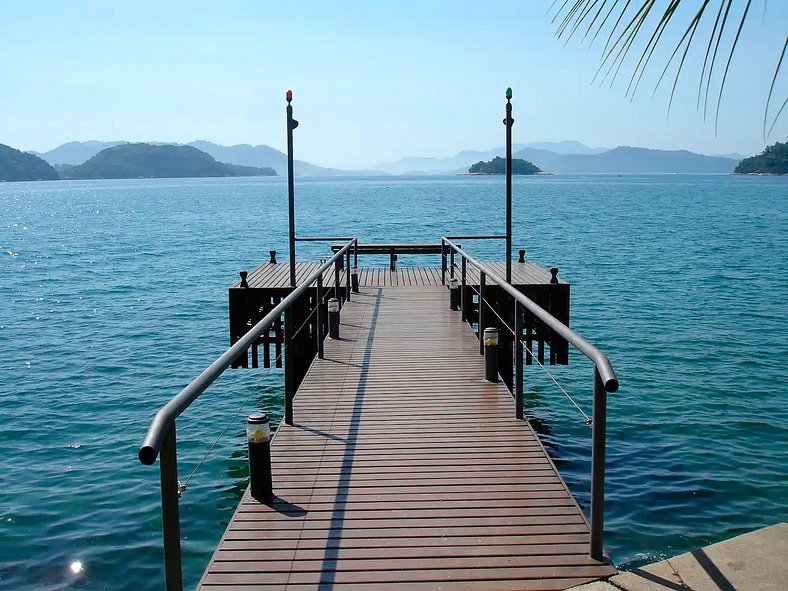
(498, 166)
(128, 161)
(773, 160)
(21, 166)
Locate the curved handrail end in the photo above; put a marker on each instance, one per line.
(147, 455)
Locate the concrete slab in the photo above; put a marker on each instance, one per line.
(757, 561)
(595, 586)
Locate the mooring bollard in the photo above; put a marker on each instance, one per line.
(243, 275)
(554, 275)
(491, 354)
(354, 280)
(258, 437)
(333, 318)
(273, 256)
(454, 293)
(522, 256)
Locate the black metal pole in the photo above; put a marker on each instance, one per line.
(480, 323)
(337, 284)
(463, 293)
(518, 360)
(598, 468)
(291, 125)
(289, 366)
(508, 122)
(170, 518)
(443, 262)
(319, 321)
(348, 282)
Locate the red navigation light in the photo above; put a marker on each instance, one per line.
(289, 95)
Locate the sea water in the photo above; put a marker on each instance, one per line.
(113, 296)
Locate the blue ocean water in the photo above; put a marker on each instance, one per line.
(113, 297)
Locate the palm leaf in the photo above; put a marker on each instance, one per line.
(576, 17)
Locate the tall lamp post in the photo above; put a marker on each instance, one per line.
(291, 125)
(508, 122)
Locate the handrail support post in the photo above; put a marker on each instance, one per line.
(443, 262)
(289, 366)
(598, 468)
(170, 517)
(481, 324)
(347, 277)
(463, 292)
(337, 285)
(518, 360)
(319, 321)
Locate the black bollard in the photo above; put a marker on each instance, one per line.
(258, 437)
(554, 273)
(491, 354)
(454, 293)
(243, 275)
(354, 280)
(333, 318)
(273, 256)
(522, 256)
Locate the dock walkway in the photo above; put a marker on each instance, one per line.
(404, 469)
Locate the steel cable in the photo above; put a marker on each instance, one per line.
(589, 420)
(182, 486)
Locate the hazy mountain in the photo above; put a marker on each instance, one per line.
(731, 155)
(16, 165)
(547, 151)
(566, 147)
(75, 152)
(262, 155)
(625, 159)
(544, 159)
(128, 161)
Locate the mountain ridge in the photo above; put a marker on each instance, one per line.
(259, 156)
(141, 160)
(622, 159)
(16, 165)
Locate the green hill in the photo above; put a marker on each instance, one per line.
(130, 161)
(773, 160)
(21, 166)
(498, 166)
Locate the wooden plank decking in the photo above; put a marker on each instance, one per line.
(277, 275)
(406, 470)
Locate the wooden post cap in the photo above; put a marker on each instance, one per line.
(243, 275)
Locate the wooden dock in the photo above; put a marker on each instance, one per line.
(277, 275)
(404, 469)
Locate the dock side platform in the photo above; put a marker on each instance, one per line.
(404, 469)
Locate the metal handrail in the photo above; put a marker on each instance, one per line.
(599, 359)
(604, 379)
(160, 439)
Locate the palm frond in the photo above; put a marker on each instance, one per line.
(629, 17)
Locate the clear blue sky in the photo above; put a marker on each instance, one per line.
(373, 81)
